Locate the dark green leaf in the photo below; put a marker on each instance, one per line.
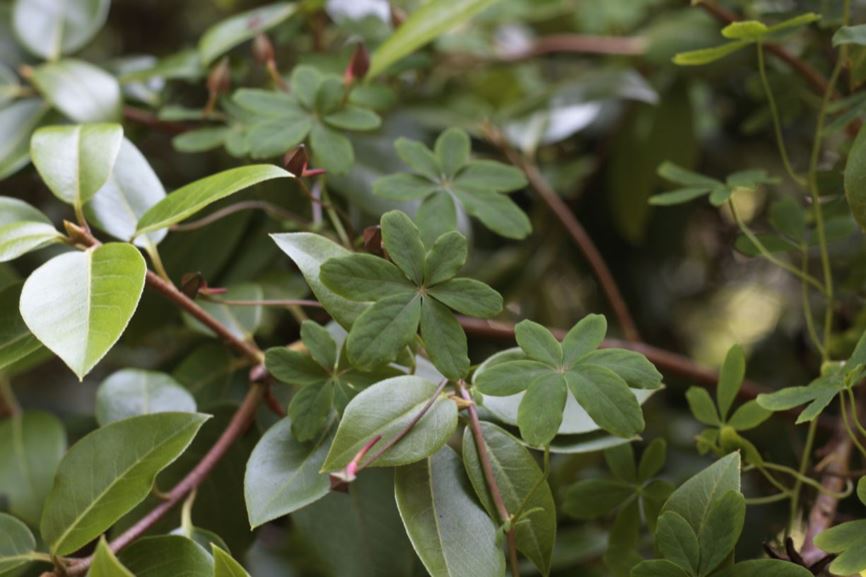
(444, 339)
(540, 412)
(607, 399)
(658, 568)
(294, 368)
(149, 557)
(445, 258)
(491, 175)
(468, 296)
(677, 542)
(320, 343)
(730, 379)
(652, 460)
(453, 149)
(381, 332)
(620, 461)
(16, 341)
(509, 378)
(402, 240)
(131, 392)
(592, 498)
(631, 366)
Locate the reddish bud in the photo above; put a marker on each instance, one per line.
(263, 50)
(372, 237)
(296, 160)
(219, 79)
(191, 283)
(358, 65)
(398, 16)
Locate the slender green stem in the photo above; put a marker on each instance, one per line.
(843, 406)
(804, 466)
(854, 416)
(769, 256)
(186, 525)
(807, 308)
(335, 219)
(158, 266)
(768, 499)
(804, 479)
(773, 480)
(777, 121)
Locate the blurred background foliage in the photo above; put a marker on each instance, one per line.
(599, 126)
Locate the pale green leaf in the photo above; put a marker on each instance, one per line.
(431, 495)
(282, 474)
(131, 392)
(16, 340)
(385, 409)
(79, 90)
(23, 229)
(222, 37)
(750, 30)
(105, 564)
(353, 118)
(429, 21)
(108, 472)
(52, 28)
(78, 304)
(708, 55)
(730, 379)
(188, 200)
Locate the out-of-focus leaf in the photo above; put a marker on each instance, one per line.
(52, 28)
(236, 30)
(79, 90)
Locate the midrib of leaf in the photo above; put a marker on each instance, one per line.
(58, 35)
(97, 498)
(706, 512)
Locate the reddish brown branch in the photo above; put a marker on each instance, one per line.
(815, 79)
(579, 44)
(581, 238)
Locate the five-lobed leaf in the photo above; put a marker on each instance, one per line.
(108, 472)
(78, 304)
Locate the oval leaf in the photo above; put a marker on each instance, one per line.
(79, 90)
(224, 36)
(149, 557)
(16, 340)
(52, 28)
(110, 471)
(17, 543)
(79, 303)
(131, 392)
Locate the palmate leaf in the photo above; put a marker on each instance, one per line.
(848, 540)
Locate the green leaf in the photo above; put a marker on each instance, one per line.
(283, 475)
(419, 158)
(445, 258)
(436, 216)
(491, 175)
(17, 544)
(423, 25)
(708, 55)
(495, 211)
(430, 493)
(188, 200)
(331, 150)
(105, 564)
(509, 378)
(381, 332)
(523, 487)
(16, 341)
(310, 409)
(749, 416)
(468, 296)
(78, 304)
(131, 392)
(631, 366)
(607, 399)
(850, 35)
(750, 30)
(23, 229)
(694, 498)
(225, 565)
(855, 179)
(276, 136)
(402, 240)
(51, 29)
(721, 529)
(293, 367)
(149, 557)
(222, 37)
(444, 339)
(31, 446)
(818, 394)
(730, 379)
(677, 542)
(364, 277)
(679, 196)
(540, 412)
(385, 409)
(861, 490)
(702, 407)
(848, 541)
(354, 118)
(583, 337)
(674, 173)
(538, 343)
(658, 568)
(17, 121)
(131, 190)
(787, 217)
(108, 472)
(453, 149)
(652, 460)
(620, 461)
(200, 140)
(404, 186)
(79, 90)
(320, 343)
(592, 498)
(309, 251)
(766, 568)
(795, 22)
(75, 161)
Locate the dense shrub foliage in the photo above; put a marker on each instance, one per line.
(354, 332)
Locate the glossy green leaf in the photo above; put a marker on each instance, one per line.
(283, 475)
(79, 90)
(131, 190)
(225, 565)
(105, 563)
(426, 23)
(309, 251)
(468, 296)
(17, 121)
(188, 200)
(16, 340)
(23, 229)
(31, 446)
(855, 179)
(381, 332)
(131, 392)
(694, 499)
(76, 161)
(730, 379)
(240, 28)
(17, 544)
(677, 541)
(110, 471)
(385, 409)
(51, 29)
(452, 535)
(522, 486)
(78, 304)
(149, 557)
(708, 55)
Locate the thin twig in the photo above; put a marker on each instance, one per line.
(272, 210)
(581, 238)
(267, 303)
(578, 44)
(151, 120)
